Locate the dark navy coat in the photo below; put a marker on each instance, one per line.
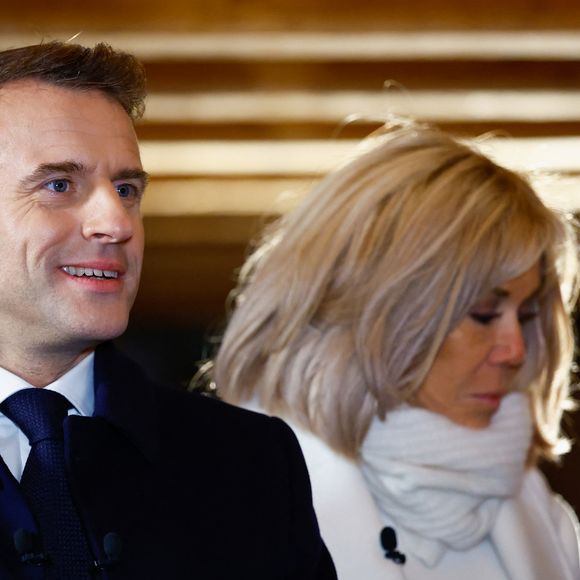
(191, 487)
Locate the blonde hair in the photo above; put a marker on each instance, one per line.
(343, 307)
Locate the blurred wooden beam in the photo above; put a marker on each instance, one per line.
(347, 60)
(224, 196)
(221, 107)
(359, 128)
(249, 15)
(224, 75)
(250, 200)
(314, 157)
(243, 158)
(328, 46)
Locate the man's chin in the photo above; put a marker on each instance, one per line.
(104, 330)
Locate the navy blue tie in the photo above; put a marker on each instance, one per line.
(40, 414)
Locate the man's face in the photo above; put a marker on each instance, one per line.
(71, 234)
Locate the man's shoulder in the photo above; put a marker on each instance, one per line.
(215, 418)
(184, 420)
(218, 467)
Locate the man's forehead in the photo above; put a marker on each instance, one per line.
(48, 123)
(32, 88)
(34, 96)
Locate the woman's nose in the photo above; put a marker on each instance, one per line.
(511, 346)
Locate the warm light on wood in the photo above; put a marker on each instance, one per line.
(225, 197)
(338, 106)
(316, 157)
(252, 197)
(323, 46)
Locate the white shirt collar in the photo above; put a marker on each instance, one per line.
(76, 385)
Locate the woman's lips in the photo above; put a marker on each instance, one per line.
(491, 399)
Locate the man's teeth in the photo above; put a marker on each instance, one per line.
(95, 272)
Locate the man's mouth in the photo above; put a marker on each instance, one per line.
(90, 272)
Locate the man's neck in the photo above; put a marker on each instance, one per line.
(40, 369)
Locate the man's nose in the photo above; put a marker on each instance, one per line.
(107, 218)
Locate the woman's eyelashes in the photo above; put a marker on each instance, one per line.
(486, 311)
(484, 318)
(528, 315)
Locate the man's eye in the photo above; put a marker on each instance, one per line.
(59, 185)
(128, 191)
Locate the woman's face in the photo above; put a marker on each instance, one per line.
(477, 363)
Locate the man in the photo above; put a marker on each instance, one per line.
(134, 481)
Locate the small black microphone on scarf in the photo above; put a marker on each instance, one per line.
(25, 543)
(113, 547)
(389, 544)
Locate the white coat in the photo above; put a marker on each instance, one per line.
(539, 530)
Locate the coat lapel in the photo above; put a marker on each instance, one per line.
(112, 455)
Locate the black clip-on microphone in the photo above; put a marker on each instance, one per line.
(113, 547)
(389, 544)
(24, 542)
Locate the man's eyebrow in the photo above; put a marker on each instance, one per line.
(139, 174)
(47, 169)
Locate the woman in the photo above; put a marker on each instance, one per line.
(411, 321)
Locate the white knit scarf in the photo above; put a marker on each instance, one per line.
(442, 484)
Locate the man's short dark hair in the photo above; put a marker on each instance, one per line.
(117, 74)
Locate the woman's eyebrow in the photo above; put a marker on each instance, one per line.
(500, 292)
(503, 293)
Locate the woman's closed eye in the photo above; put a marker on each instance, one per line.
(487, 317)
(528, 315)
(484, 318)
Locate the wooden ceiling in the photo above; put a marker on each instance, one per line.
(46, 16)
(252, 101)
